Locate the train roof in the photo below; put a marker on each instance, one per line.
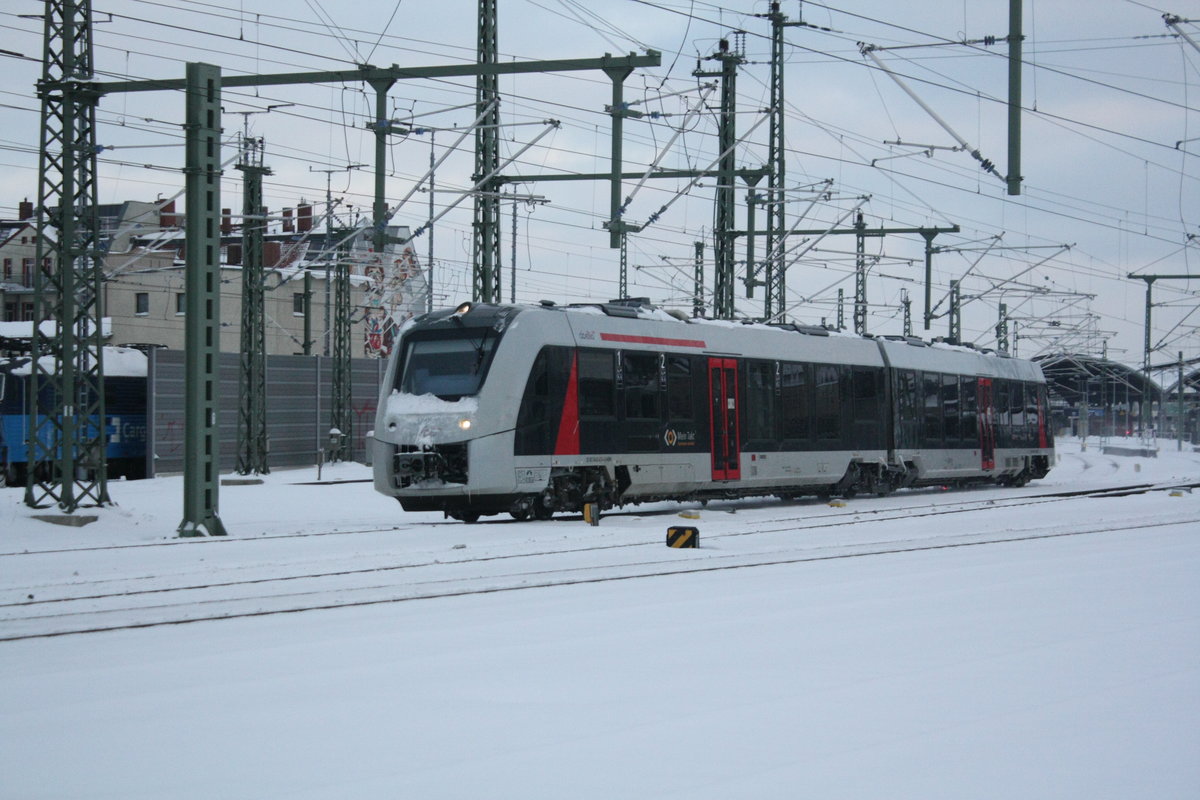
(903, 352)
(119, 362)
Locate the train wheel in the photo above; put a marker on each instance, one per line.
(469, 517)
(541, 509)
(519, 511)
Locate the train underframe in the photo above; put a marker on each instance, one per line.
(569, 489)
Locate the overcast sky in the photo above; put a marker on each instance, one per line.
(1110, 159)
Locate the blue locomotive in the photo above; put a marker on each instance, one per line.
(125, 416)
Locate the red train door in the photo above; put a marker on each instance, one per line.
(723, 419)
(987, 423)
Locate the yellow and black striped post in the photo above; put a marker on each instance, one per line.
(683, 536)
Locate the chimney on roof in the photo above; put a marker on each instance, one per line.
(167, 217)
(304, 217)
(25, 210)
(288, 225)
(226, 221)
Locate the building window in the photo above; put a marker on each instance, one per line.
(180, 304)
(141, 303)
(8, 269)
(298, 303)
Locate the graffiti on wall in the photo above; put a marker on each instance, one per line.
(395, 291)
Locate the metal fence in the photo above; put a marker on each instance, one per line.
(299, 391)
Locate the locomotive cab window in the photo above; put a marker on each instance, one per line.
(449, 365)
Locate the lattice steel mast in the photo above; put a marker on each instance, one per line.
(723, 236)
(66, 422)
(486, 249)
(252, 383)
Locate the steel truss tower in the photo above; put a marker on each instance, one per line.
(486, 250)
(66, 423)
(340, 415)
(723, 236)
(776, 278)
(252, 385)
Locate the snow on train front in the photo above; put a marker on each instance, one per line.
(447, 410)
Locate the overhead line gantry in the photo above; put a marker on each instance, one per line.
(69, 294)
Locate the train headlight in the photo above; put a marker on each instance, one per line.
(464, 424)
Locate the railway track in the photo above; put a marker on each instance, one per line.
(75, 608)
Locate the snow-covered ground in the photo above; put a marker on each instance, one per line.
(992, 643)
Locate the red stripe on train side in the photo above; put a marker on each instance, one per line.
(567, 443)
(659, 340)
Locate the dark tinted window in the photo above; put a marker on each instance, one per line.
(448, 366)
(596, 384)
(639, 372)
(794, 399)
(827, 402)
(760, 400)
(908, 402)
(950, 408)
(865, 386)
(970, 428)
(932, 384)
(679, 388)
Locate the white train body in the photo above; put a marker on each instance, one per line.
(532, 410)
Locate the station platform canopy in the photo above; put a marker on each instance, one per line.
(1071, 376)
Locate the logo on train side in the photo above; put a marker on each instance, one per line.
(674, 438)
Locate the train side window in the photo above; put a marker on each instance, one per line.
(950, 408)
(597, 386)
(865, 384)
(932, 383)
(533, 418)
(909, 407)
(1016, 405)
(1000, 403)
(970, 404)
(679, 388)
(760, 403)
(640, 376)
(828, 402)
(1031, 415)
(796, 411)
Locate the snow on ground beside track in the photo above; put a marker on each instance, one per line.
(1046, 668)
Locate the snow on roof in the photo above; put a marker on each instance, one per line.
(119, 362)
(24, 329)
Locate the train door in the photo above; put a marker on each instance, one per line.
(723, 419)
(1043, 439)
(987, 423)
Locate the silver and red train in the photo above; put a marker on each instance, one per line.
(532, 410)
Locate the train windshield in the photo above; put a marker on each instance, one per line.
(450, 364)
